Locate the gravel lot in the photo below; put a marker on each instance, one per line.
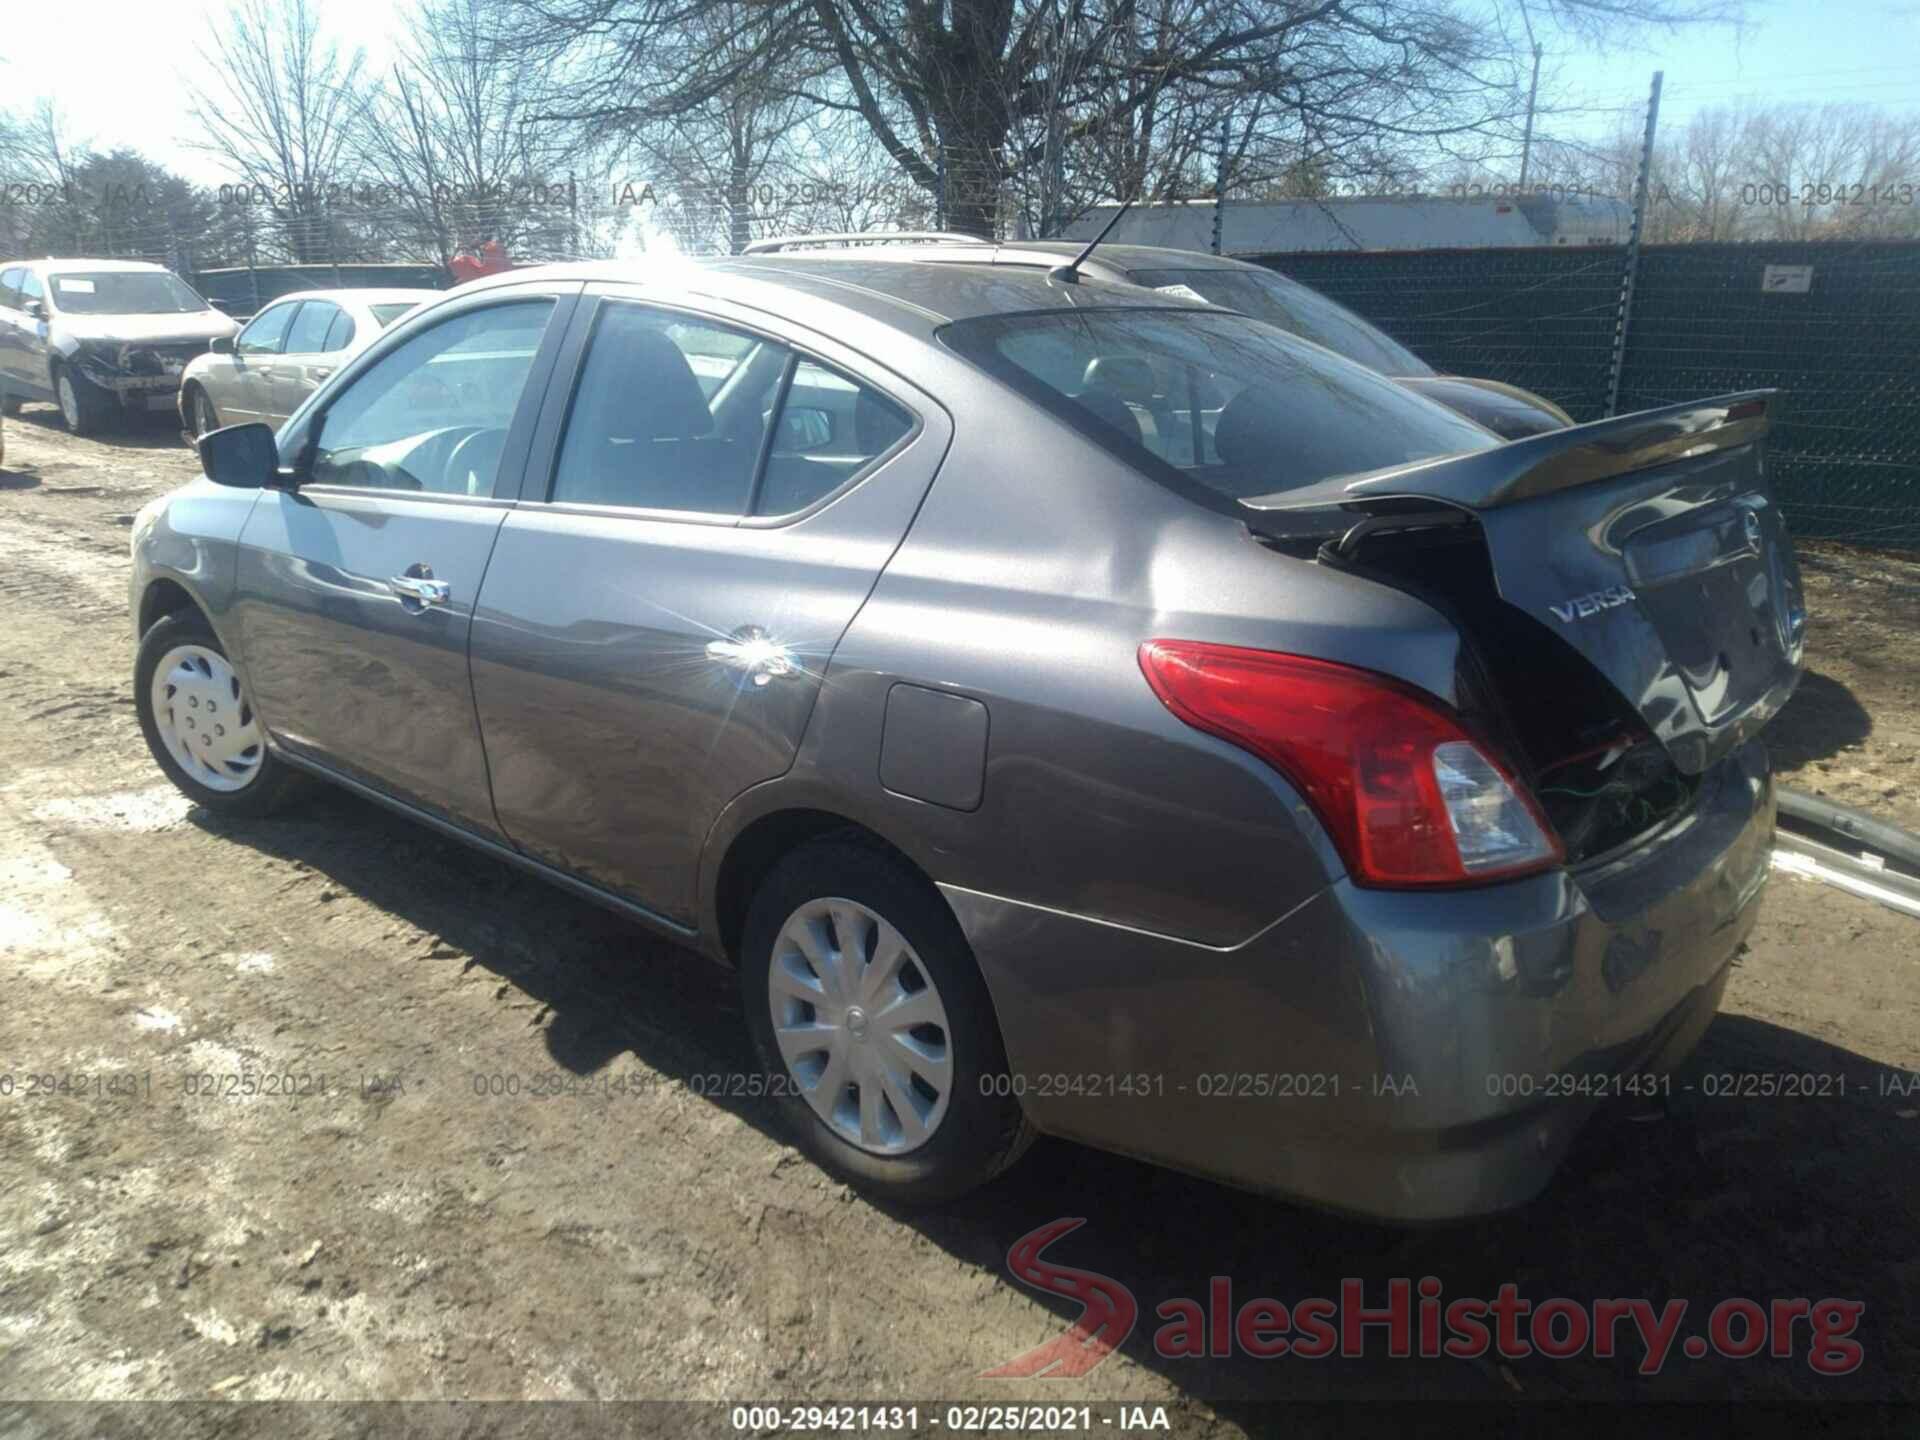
(400, 1236)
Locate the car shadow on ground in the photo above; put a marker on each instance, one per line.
(1729, 1188)
(159, 430)
(1822, 719)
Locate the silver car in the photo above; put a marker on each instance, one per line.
(100, 338)
(1307, 790)
(268, 370)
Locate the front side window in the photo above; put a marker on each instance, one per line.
(339, 334)
(433, 415)
(123, 292)
(670, 414)
(31, 288)
(266, 333)
(1220, 405)
(308, 333)
(1295, 309)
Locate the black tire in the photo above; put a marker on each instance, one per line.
(10, 404)
(92, 410)
(202, 416)
(272, 784)
(982, 1132)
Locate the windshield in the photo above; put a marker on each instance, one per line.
(1295, 308)
(123, 292)
(1222, 406)
(387, 314)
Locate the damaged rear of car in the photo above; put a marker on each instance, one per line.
(100, 338)
(1546, 811)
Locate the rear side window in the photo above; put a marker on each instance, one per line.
(669, 414)
(831, 428)
(1223, 407)
(10, 287)
(308, 333)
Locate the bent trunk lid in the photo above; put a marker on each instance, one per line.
(1649, 543)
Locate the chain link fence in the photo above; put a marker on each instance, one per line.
(1707, 319)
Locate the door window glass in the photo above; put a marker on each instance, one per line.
(830, 429)
(308, 333)
(31, 288)
(10, 288)
(266, 331)
(670, 414)
(433, 415)
(339, 334)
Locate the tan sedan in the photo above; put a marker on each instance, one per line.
(284, 353)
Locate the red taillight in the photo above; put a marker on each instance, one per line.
(1408, 795)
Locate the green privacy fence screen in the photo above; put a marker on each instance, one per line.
(1707, 319)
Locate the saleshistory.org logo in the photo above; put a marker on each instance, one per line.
(1415, 1319)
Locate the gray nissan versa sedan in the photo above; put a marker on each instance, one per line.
(1293, 784)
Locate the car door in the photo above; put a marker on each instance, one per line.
(662, 603)
(11, 317)
(355, 593)
(242, 389)
(32, 339)
(303, 362)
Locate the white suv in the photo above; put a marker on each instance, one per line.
(99, 337)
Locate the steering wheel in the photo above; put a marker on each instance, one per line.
(475, 462)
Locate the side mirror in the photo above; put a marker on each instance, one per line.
(243, 456)
(221, 345)
(36, 308)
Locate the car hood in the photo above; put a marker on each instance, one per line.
(194, 325)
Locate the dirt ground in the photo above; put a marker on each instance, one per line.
(403, 1236)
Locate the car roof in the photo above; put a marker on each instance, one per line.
(917, 299)
(367, 296)
(82, 263)
(1134, 257)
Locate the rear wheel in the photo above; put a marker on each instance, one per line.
(11, 404)
(83, 405)
(199, 723)
(874, 1026)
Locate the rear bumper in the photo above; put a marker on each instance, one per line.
(1405, 1056)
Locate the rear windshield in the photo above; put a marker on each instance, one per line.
(1224, 404)
(387, 314)
(1294, 308)
(123, 292)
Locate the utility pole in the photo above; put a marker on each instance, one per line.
(1220, 191)
(1633, 249)
(1533, 90)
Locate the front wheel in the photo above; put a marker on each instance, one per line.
(83, 405)
(199, 723)
(870, 1017)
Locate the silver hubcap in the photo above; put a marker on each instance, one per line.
(207, 724)
(860, 1026)
(69, 403)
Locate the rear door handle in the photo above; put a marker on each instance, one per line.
(755, 653)
(425, 591)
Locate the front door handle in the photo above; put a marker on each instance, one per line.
(421, 588)
(755, 653)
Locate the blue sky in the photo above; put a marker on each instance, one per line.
(114, 64)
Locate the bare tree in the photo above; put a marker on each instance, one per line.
(1110, 96)
(450, 152)
(280, 107)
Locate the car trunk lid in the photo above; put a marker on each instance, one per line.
(1649, 543)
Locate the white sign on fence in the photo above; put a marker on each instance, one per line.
(1787, 279)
